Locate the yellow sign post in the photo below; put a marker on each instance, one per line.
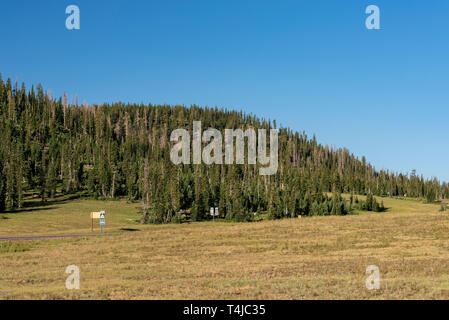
(94, 215)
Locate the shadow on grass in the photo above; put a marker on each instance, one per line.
(129, 229)
(39, 205)
(22, 210)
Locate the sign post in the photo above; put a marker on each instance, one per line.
(214, 213)
(97, 215)
(102, 221)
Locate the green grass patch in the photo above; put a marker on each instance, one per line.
(14, 246)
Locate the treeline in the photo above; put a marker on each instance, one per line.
(51, 146)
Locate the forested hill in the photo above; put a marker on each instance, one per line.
(49, 146)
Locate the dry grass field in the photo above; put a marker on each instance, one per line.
(308, 258)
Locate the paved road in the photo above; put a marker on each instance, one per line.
(37, 237)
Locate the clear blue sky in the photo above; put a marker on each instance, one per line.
(311, 65)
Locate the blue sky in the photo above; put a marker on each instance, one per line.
(311, 65)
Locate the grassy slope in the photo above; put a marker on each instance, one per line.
(68, 216)
(319, 257)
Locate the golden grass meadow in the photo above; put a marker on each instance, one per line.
(309, 258)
